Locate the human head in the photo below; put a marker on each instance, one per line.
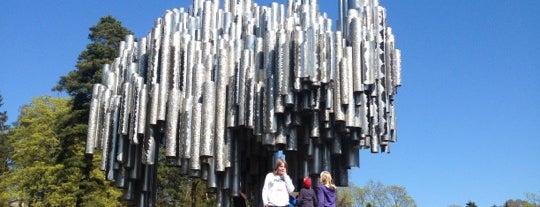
(326, 178)
(307, 182)
(280, 167)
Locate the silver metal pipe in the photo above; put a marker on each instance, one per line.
(199, 73)
(115, 112)
(281, 65)
(281, 135)
(314, 125)
(105, 137)
(136, 106)
(195, 163)
(154, 101)
(171, 124)
(339, 114)
(125, 108)
(356, 32)
(186, 128)
(155, 45)
(92, 121)
(208, 109)
(207, 14)
(241, 87)
(231, 104)
(250, 93)
(269, 124)
(149, 146)
(165, 64)
(220, 109)
(142, 110)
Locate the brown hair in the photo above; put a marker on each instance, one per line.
(279, 161)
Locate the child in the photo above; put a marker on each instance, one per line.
(326, 192)
(307, 196)
(277, 185)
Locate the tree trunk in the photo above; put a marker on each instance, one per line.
(193, 193)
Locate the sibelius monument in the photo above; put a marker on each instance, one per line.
(223, 86)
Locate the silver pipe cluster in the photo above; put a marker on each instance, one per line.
(220, 89)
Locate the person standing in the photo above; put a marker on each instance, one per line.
(277, 186)
(240, 200)
(326, 191)
(307, 196)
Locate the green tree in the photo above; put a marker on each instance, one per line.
(470, 204)
(172, 187)
(345, 197)
(398, 196)
(359, 196)
(175, 189)
(82, 171)
(5, 148)
(376, 194)
(4, 144)
(518, 203)
(33, 176)
(106, 36)
(533, 199)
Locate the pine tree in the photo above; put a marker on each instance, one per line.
(92, 188)
(470, 204)
(4, 145)
(5, 149)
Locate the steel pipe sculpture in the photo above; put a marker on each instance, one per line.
(220, 89)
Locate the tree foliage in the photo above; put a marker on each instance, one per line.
(398, 196)
(92, 189)
(533, 198)
(106, 36)
(520, 203)
(376, 194)
(470, 204)
(345, 198)
(175, 189)
(5, 148)
(34, 177)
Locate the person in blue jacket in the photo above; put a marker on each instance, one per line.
(292, 201)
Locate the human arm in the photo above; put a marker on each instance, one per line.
(320, 196)
(288, 182)
(315, 201)
(292, 200)
(266, 185)
(242, 195)
(300, 197)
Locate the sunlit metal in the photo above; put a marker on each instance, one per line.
(218, 89)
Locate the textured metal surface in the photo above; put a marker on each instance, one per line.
(221, 88)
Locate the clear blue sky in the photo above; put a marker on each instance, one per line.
(468, 111)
